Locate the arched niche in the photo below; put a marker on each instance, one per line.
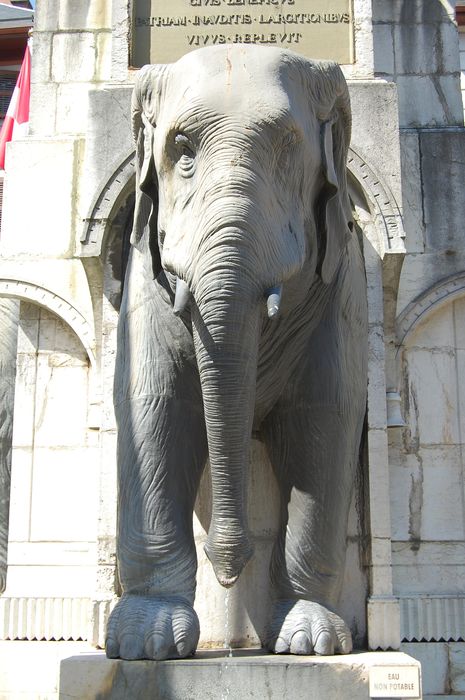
(379, 224)
(55, 464)
(427, 464)
(37, 294)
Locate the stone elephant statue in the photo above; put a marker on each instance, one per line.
(244, 310)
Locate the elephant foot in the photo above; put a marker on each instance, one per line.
(147, 627)
(227, 558)
(304, 627)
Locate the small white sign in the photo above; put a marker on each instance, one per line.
(394, 682)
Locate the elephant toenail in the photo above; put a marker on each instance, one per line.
(281, 646)
(324, 644)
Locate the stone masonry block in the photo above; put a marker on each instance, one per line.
(442, 483)
(436, 567)
(375, 134)
(103, 61)
(448, 87)
(109, 138)
(434, 665)
(457, 666)
(46, 15)
(120, 44)
(53, 581)
(443, 188)
(73, 57)
(43, 109)
(416, 49)
(91, 14)
(449, 40)
(429, 101)
(58, 514)
(437, 419)
(412, 191)
(413, 11)
(423, 270)
(72, 107)
(383, 48)
(39, 168)
(41, 52)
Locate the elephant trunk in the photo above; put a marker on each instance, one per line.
(226, 321)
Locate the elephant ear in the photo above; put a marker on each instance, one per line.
(146, 101)
(333, 215)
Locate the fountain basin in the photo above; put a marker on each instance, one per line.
(213, 675)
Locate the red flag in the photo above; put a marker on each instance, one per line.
(17, 115)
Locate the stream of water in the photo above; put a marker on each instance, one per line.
(226, 691)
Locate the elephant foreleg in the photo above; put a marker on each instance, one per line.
(162, 450)
(315, 472)
(162, 455)
(313, 437)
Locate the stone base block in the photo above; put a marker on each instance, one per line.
(66, 671)
(214, 676)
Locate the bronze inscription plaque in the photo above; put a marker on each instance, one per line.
(165, 30)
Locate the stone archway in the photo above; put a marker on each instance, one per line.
(428, 465)
(29, 291)
(55, 449)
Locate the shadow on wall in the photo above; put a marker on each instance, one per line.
(416, 45)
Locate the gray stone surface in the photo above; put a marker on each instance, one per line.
(457, 667)
(213, 675)
(374, 112)
(443, 175)
(429, 100)
(73, 57)
(434, 659)
(416, 44)
(226, 137)
(108, 139)
(412, 192)
(46, 15)
(412, 11)
(383, 41)
(434, 171)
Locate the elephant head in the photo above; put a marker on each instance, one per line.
(241, 195)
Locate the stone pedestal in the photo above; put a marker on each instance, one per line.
(247, 674)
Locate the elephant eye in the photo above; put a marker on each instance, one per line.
(185, 154)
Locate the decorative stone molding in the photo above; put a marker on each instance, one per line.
(44, 618)
(110, 193)
(100, 613)
(432, 618)
(383, 623)
(54, 619)
(444, 292)
(384, 208)
(28, 291)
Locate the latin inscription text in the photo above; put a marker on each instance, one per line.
(315, 28)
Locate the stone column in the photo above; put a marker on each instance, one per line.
(383, 609)
(9, 314)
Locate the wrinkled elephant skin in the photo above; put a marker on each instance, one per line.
(244, 309)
